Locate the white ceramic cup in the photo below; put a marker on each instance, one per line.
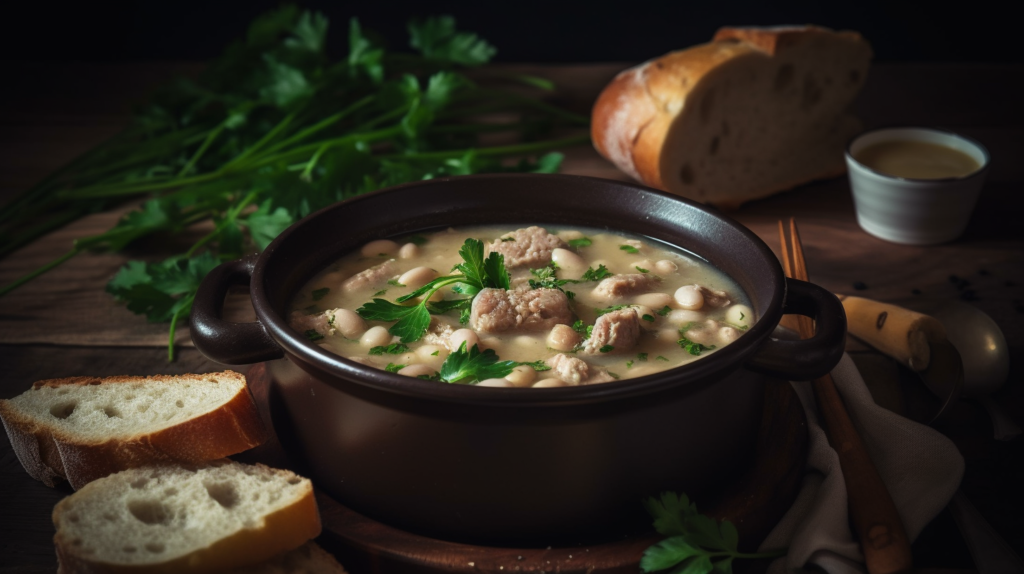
(915, 211)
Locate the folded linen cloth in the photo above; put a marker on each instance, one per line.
(920, 466)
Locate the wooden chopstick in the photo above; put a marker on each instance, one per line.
(882, 536)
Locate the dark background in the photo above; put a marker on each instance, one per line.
(525, 31)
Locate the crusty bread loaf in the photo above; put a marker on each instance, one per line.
(83, 428)
(306, 559)
(214, 517)
(754, 112)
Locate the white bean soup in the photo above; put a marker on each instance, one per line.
(531, 307)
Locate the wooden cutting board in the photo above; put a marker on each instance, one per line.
(754, 502)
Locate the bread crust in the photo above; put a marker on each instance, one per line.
(283, 530)
(633, 116)
(50, 454)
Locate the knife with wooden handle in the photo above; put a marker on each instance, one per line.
(904, 335)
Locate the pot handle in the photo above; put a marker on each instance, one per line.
(223, 341)
(807, 358)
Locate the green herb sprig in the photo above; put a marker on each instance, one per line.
(475, 274)
(472, 366)
(274, 130)
(696, 544)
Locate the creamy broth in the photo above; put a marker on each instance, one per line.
(663, 307)
(917, 160)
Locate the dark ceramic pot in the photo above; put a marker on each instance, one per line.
(508, 465)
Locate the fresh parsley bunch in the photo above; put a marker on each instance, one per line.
(275, 129)
(696, 544)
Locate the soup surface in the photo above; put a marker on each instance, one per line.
(521, 308)
(917, 160)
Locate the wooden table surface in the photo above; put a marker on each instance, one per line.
(65, 324)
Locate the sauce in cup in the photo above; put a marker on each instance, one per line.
(916, 160)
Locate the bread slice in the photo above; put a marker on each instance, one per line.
(306, 559)
(754, 112)
(80, 429)
(179, 519)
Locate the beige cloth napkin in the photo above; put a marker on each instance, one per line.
(920, 466)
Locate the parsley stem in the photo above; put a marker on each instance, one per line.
(202, 148)
(321, 125)
(229, 218)
(313, 147)
(132, 188)
(281, 126)
(517, 149)
(32, 275)
(184, 310)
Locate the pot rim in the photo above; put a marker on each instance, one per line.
(312, 357)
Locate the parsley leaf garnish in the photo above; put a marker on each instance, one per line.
(693, 348)
(318, 294)
(609, 309)
(537, 365)
(581, 242)
(392, 349)
(698, 543)
(477, 273)
(596, 274)
(641, 269)
(629, 249)
(393, 368)
(664, 310)
(473, 366)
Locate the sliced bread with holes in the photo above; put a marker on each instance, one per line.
(754, 112)
(214, 517)
(83, 428)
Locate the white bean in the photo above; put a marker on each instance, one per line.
(684, 316)
(654, 300)
(573, 264)
(521, 376)
(494, 383)
(467, 336)
(375, 337)
(379, 247)
(417, 371)
(417, 277)
(644, 310)
(569, 234)
(729, 334)
(563, 338)
(689, 297)
(408, 251)
(549, 383)
(348, 323)
(740, 315)
(665, 267)
(428, 352)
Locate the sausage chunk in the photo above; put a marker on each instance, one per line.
(618, 286)
(570, 369)
(714, 298)
(530, 247)
(576, 371)
(618, 329)
(371, 276)
(319, 322)
(497, 310)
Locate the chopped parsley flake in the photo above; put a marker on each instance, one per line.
(641, 269)
(664, 310)
(379, 293)
(629, 364)
(418, 240)
(434, 354)
(508, 239)
(607, 349)
(313, 335)
(318, 294)
(742, 316)
(392, 349)
(614, 375)
(596, 274)
(395, 283)
(660, 358)
(693, 348)
(629, 249)
(649, 318)
(311, 310)
(393, 368)
(581, 242)
(641, 356)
